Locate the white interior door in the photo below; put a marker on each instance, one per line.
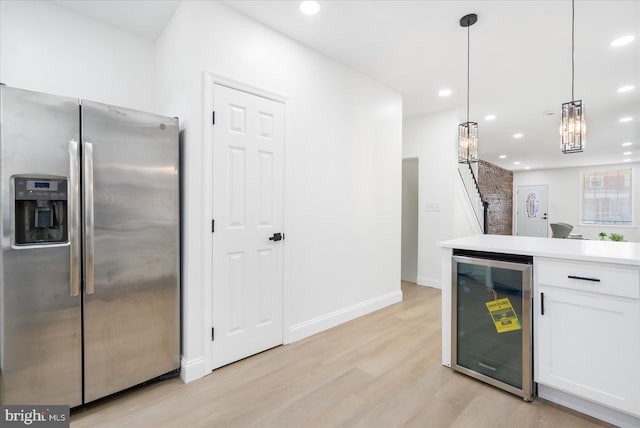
(248, 140)
(531, 214)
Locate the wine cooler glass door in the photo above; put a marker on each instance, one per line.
(492, 322)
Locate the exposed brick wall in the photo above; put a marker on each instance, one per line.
(496, 185)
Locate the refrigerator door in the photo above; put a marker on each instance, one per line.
(40, 345)
(131, 243)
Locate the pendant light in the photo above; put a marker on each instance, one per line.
(468, 131)
(572, 127)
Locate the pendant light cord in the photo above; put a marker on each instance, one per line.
(468, 67)
(573, 20)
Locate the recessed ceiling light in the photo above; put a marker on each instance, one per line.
(490, 117)
(626, 88)
(502, 156)
(517, 135)
(626, 119)
(444, 92)
(626, 160)
(621, 41)
(627, 144)
(627, 153)
(527, 167)
(310, 7)
(516, 163)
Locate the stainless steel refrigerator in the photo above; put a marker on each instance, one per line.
(89, 269)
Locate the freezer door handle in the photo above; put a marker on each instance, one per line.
(87, 156)
(74, 217)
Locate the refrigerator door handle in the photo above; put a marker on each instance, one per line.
(87, 152)
(74, 216)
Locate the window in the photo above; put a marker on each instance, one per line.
(606, 197)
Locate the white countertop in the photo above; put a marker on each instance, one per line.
(627, 253)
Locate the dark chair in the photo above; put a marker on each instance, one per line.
(560, 230)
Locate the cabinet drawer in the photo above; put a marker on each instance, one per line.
(589, 277)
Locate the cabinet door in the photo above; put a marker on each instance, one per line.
(587, 345)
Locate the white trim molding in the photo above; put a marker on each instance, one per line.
(590, 408)
(213, 78)
(332, 319)
(429, 282)
(191, 370)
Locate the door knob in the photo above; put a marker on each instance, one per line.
(277, 237)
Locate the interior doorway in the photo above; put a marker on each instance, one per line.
(409, 251)
(248, 238)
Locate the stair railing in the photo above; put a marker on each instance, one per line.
(478, 202)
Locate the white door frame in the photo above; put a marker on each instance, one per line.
(209, 79)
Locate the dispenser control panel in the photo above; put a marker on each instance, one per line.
(40, 189)
(40, 211)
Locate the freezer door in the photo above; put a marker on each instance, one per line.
(40, 325)
(131, 259)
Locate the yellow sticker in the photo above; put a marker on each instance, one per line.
(503, 315)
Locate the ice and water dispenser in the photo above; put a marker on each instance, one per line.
(40, 210)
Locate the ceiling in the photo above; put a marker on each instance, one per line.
(520, 63)
(146, 18)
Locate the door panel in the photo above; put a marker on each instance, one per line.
(132, 319)
(237, 189)
(237, 288)
(265, 189)
(40, 353)
(247, 206)
(532, 215)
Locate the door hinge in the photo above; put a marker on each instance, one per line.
(213, 225)
(213, 333)
(213, 118)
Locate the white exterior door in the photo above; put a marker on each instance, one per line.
(531, 211)
(248, 139)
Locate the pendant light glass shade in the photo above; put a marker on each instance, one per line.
(468, 142)
(573, 127)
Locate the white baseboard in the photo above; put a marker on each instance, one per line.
(429, 282)
(412, 279)
(193, 369)
(325, 322)
(590, 408)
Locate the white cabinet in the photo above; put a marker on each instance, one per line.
(587, 331)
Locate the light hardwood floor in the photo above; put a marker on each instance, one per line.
(381, 370)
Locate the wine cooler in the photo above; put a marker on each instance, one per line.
(491, 319)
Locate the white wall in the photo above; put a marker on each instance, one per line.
(410, 220)
(46, 48)
(564, 199)
(442, 211)
(343, 149)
